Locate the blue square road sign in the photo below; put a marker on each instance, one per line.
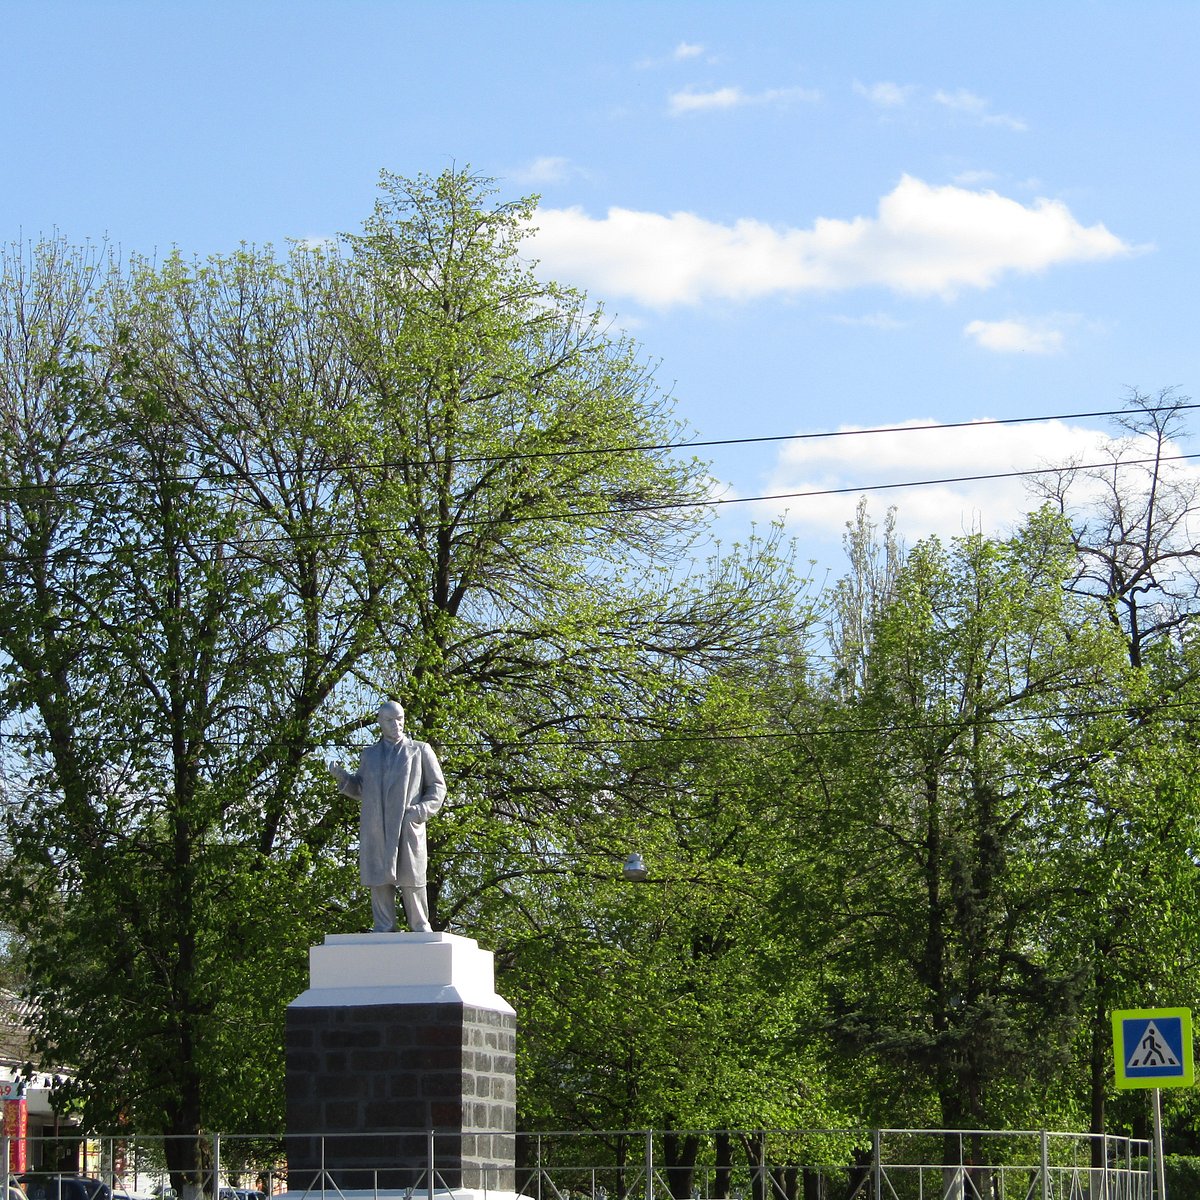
(1152, 1047)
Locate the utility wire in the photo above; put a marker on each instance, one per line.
(753, 734)
(615, 512)
(880, 487)
(964, 724)
(218, 477)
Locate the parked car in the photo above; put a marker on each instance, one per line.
(47, 1185)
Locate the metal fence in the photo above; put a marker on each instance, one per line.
(838, 1164)
(881, 1164)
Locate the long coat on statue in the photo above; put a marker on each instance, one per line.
(400, 785)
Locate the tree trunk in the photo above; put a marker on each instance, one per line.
(723, 1165)
(679, 1154)
(756, 1159)
(184, 1164)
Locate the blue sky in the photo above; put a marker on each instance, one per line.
(812, 215)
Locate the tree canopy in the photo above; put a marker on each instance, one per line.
(911, 836)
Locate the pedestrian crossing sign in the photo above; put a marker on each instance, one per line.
(1152, 1047)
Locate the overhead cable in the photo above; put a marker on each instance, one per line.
(219, 477)
(612, 512)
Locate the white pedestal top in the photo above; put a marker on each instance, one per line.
(319, 1192)
(400, 968)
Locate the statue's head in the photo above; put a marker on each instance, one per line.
(391, 720)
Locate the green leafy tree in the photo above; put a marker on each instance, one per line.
(1131, 522)
(946, 795)
(242, 499)
(659, 1004)
(148, 671)
(539, 525)
(1137, 897)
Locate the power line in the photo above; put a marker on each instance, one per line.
(880, 487)
(977, 424)
(964, 724)
(613, 512)
(755, 734)
(219, 477)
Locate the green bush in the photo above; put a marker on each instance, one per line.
(1182, 1172)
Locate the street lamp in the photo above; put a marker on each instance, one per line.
(633, 870)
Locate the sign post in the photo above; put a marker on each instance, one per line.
(1152, 1048)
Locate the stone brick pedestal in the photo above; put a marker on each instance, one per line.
(398, 1035)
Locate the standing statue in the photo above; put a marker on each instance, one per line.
(400, 784)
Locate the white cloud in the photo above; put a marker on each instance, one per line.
(1015, 337)
(924, 240)
(961, 101)
(1003, 121)
(985, 447)
(885, 94)
(964, 104)
(970, 105)
(878, 320)
(549, 168)
(689, 100)
(683, 52)
(974, 178)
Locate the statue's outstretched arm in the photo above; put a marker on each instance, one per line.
(350, 784)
